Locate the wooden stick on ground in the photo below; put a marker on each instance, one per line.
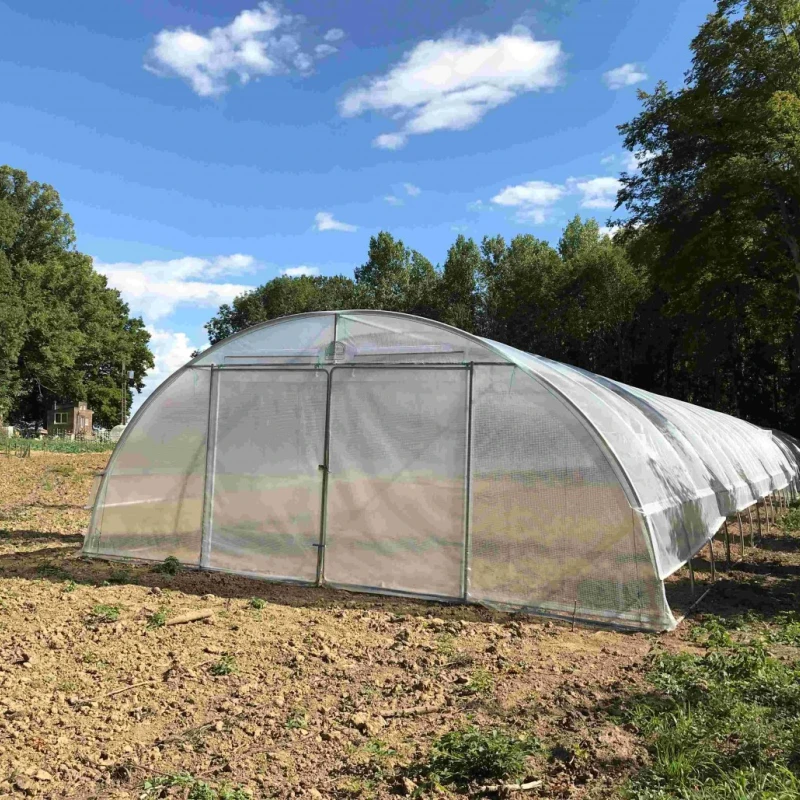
(191, 616)
(508, 787)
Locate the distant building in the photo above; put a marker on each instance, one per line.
(70, 419)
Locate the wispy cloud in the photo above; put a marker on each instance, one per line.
(324, 221)
(626, 75)
(452, 82)
(296, 272)
(154, 289)
(258, 42)
(334, 35)
(411, 190)
(392, 200)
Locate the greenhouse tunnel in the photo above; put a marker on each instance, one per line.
(377, 451)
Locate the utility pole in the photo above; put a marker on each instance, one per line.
(124, 391)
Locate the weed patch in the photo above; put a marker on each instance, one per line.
(158, 619)
(163, 786)
(169, 566)
(103, 614)
(463, 758)
(719, 726)
(225, 666)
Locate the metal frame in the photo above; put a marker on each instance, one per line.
(467, 554)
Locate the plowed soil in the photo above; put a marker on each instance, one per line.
(298, 693)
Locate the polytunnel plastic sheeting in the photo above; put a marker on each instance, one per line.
(684, 492)
(537, 469)
(150, 505)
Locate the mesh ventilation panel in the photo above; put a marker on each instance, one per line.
(396, 339)
(551, 526)
(296, 340)
(397, 481)
(267, 482)
(151, 504)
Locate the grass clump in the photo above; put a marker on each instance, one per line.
(162, 786)
(480, 682)
(719, 726)
(460, 759)
(169, 566)
(50, 570)
(257, 603)
(104, 614)
(791, 520)
(297, 719)
(225, 666)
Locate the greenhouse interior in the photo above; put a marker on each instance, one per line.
(380, 452)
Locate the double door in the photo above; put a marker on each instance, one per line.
(353, 476)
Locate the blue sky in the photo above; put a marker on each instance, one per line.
(206, 147)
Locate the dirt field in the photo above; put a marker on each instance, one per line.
(298, 692)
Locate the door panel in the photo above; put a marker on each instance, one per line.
(267, 499)
(397, 479)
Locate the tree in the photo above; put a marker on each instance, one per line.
(715, 209)
(64, 334)
(459, 285)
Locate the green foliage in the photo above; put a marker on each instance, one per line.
(158, 619)
(225, 666)
(721, 725)
(163, 786)
(104, 613)
(63, 332)
(257, 603)
(480, 682)
(791, 520)
(70, 446)
(464, 757)
(169, 566)
(297, 719)
(49, 570)
(120, 576)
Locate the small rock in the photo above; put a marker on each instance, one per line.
(42, 775)
(315, 794)
(155, 590)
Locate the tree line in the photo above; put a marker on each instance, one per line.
(64, 335)
(698, 294)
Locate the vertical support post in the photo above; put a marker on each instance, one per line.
(691, 576)
(741, 531)
(211, 460)
(468, 491)
(750, 517)
(711, 558)
(766, 513)
(325, 466)
(758, 517)
(727, 547)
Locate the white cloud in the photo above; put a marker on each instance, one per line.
(334, 35)
(171, 350)
(626, 75)
(155, 289)
(259, 41)
(324, 221)
(451, 83)
(296, 272)
(533, 200)
(411, 190)
(392, 200)
(608, 230)
(608, 159)
(597, 192)
(322, 50)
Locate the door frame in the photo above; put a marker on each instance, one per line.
(324, 467)
(211, 457)
(466, 529)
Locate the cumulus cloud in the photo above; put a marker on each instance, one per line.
(626, 75)
(608, 230)
(411, 190)
(296, 272)
(451, 83)
(533, 200)
(258, 42)
(597, 192)
(334, 35)
(324, 221)
(154, 289)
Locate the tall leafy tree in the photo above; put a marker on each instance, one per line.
(459, 285)
(64, 334)
(715, 209)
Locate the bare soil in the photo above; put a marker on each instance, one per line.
(328, 693)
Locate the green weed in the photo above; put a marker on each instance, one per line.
(297, 719)
(102, 613)
(169, 566)
(480, 682)
(257, 603)
(471, 755)
(225, 666)
(158, 619)
(791, 520)
(162, 786)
